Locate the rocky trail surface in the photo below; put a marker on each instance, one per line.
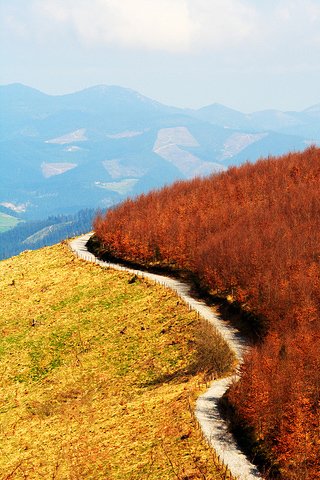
(213, 426)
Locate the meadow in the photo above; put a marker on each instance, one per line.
(99, 374)
(7, 222)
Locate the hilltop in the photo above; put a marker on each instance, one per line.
(251, 236)
(99, 373)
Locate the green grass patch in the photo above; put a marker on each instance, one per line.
(7, 222)
(98, 376)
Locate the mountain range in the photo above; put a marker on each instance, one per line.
(64, 153)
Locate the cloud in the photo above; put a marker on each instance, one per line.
(222, 23)
(289, 34)
(299, 20)
(140, 24)
(171, 26)
(177, 26)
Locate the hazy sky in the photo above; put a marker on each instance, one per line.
(246, 54)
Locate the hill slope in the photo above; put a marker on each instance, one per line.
(32, 235)
(98, 372)
(7, 222)
(250, 234)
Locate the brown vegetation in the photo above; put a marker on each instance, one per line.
(252, 234)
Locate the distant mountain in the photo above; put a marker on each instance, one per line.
(305, 123)
(64, 153)
(226, 117)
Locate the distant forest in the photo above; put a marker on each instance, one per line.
(31, 235)
(252, 235)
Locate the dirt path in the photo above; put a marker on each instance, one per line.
(213, 426)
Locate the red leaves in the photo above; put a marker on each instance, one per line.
(252, 233)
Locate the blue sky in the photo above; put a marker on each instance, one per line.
(247, 54)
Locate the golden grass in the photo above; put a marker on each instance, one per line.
(98, 375)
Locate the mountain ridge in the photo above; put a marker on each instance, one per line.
(105, 88)
(95, 147)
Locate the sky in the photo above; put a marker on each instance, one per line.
(246, 54)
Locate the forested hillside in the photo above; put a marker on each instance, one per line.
(31, 235)
(252, 235)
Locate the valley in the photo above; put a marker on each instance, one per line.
(33, 234)
(93, 148)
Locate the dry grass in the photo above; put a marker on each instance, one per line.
(97, 375)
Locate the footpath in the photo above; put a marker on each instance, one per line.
(213, 426)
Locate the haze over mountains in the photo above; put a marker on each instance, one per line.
(93, 148)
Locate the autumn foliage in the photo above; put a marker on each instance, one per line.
(252, 234)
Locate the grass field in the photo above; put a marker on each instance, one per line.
(7, 222)
(98, 375)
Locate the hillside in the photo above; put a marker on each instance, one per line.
(250, 235)
(93, 148)
(99, 373)
(30, 235)
(7, 222)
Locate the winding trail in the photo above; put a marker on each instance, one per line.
(214, 428)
